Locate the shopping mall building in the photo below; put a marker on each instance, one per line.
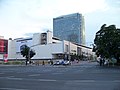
(45, 46)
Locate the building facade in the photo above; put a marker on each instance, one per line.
(46, 47)
(70, 27)
(3, 47)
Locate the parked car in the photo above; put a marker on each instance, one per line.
(62, 62)
(58, 62)
(66, 63)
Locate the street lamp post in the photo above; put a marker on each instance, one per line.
(29, 54)
(69, 52)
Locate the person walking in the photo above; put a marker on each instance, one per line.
(43, 63)
(101, 62)
(51, 62)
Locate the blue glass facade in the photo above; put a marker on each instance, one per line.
(69, 27)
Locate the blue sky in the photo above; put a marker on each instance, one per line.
(21, 18)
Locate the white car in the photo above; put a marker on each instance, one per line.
(59, 62)
(62, 62)
(66, 63)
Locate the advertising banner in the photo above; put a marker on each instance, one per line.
(5, 57)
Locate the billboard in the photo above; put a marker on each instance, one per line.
(21, 42)
(3, 46)
(5, 57)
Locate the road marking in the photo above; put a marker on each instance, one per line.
(117, 81)
(1, 73)
(84, 81)
(43, 80)
(56, 73)
(12, 89)
(10, 76)
(14, 78)
(46, 70)
(90, 81)
(47, 80)
(34, 75)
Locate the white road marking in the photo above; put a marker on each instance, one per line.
(47, 80)
(90, 81)
(12, 89)
(84, 81)
(14, 78)
(43, 80)
(1, 73)
(7, 77)
(10, 76)
(34, 75)
(56, 73)
(117, 81)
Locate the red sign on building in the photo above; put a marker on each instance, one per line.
(3, 46)
(5, 57)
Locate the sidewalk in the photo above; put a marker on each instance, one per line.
(84, 63)
(72, 64)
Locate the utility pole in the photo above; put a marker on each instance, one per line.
(69, 52)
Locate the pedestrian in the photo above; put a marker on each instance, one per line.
(100, 61)
(51, 62)
(103, 61)
(43, 63)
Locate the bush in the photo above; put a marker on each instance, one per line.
(12, 63)
(16, 62)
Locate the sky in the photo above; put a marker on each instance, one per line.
(22, 18)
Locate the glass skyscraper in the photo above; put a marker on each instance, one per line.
(70, 27)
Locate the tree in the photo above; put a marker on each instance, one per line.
(27, 52)
(107, 42)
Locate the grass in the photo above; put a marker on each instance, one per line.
(39, 62)
(12, 62)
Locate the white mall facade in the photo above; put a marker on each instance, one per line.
(46, 47)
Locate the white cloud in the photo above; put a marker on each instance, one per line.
(52, 8)
(18, 17)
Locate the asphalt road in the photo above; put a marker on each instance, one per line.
(84, 76)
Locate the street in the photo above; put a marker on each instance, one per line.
(84, 76)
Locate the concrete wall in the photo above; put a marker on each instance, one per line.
(46, 51)
(42, 51)
(87, 52)
(11, 49)
(73, 48)
(49, 37)
(1, 56)
(36, 38)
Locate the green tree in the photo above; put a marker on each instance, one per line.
(107, 42)
(27, 52)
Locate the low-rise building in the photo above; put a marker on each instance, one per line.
(46, 47)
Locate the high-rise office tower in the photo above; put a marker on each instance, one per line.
(70, 27)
